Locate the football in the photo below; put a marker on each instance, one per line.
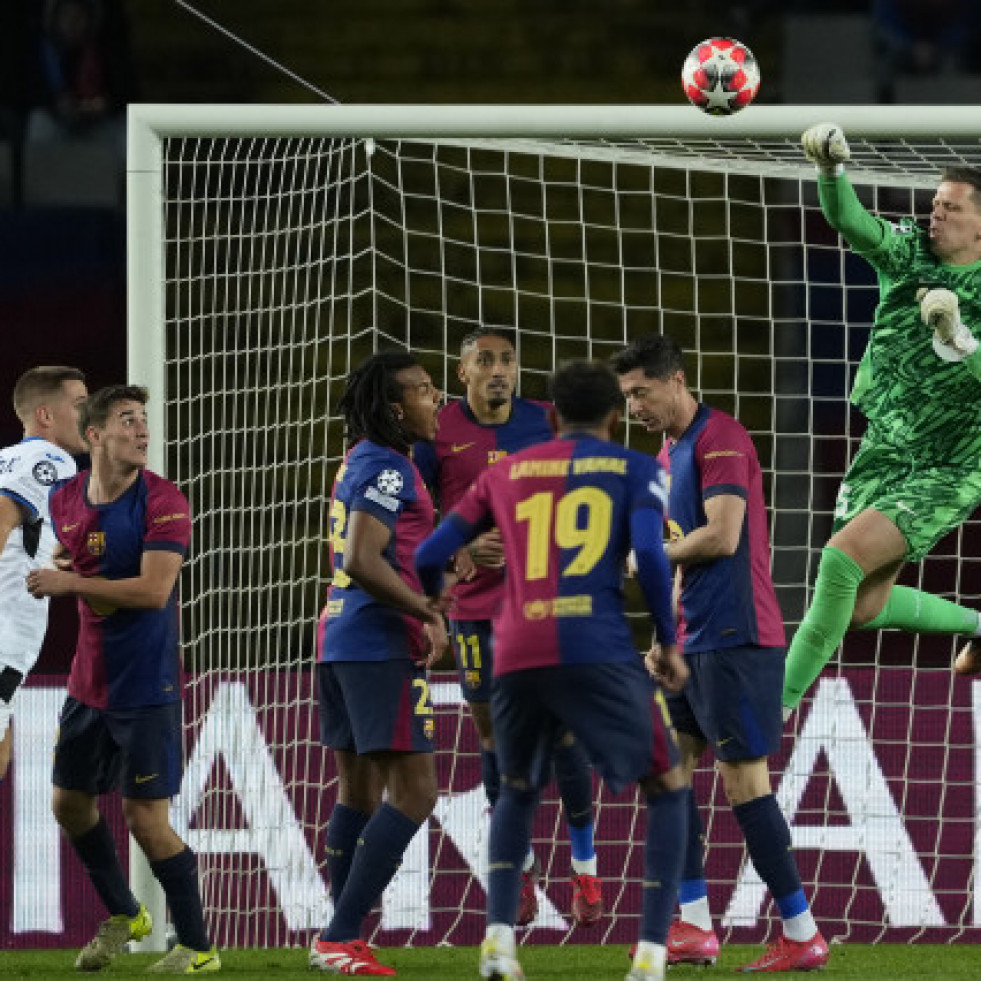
(720, 76)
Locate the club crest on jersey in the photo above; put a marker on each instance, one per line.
(429, 728)
(389, 482)
(45, 472)
(96, 543)
(494, 455)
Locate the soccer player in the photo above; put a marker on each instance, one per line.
(487, 424)
(126, 532)
(376, 634)
(731, 630)
(917, 473)
(47, 401)
(568, 512)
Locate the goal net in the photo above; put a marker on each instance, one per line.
(273, 248)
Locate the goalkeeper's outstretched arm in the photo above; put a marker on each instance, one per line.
(825, 146)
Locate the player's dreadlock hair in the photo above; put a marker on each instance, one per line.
(585, 392)
(368, 396)
(657, 354)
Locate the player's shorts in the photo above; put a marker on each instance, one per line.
(615, 710)
(375, 706)
(922, 500)
(137, 751)
(732, 701)
(10, 680)
(473, 647)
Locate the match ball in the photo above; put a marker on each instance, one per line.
(720, 76)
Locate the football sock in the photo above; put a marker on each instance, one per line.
(574, 777)
(692, 889)
(510, 833)
(178, 875)
(923, 613)
(490, 776)
(824, 624)
(667, 815)
(769, 845)
(97, 850)
(376, 859)
(343, 830)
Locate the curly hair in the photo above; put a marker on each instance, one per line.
(366, 404)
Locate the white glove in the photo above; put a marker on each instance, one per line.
(825, 146)
(939, 309)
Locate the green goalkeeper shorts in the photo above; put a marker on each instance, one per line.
(924, 501)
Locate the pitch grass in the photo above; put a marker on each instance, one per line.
(883, 962)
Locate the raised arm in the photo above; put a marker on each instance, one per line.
(825, 146)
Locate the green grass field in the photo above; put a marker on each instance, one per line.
(884, 962)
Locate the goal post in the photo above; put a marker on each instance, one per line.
(271, 248)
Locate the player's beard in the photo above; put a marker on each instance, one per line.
(496, 401)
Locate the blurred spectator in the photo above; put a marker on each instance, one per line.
(81, 75)
(923, 37)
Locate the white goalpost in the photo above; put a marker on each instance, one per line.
(271, 248)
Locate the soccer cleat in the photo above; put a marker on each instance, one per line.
(587, 900)
(354, 958)
(497, 957)
(184, 960)
(689, 944)
(644, 968)
(968, 661)
(528, 898)
(790, 955)
(111, 937)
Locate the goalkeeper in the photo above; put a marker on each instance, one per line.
(917, 473)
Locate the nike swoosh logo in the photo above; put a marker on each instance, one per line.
(460, 447)
(201, 965)
(67, 528)
(146, 779)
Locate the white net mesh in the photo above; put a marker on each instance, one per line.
(288, 260)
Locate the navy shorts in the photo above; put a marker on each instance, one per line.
(137, 751)
(732, 701)
(375, 706)
(473, 647)
(614, 709)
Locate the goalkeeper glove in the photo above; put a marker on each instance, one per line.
(939, 309)
(825, 146)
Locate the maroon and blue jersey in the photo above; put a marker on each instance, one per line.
(125, 658)
(730, 601)
(568, 511)
(463, 450)
(354, 626)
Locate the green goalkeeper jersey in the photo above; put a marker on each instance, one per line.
(903, 387)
